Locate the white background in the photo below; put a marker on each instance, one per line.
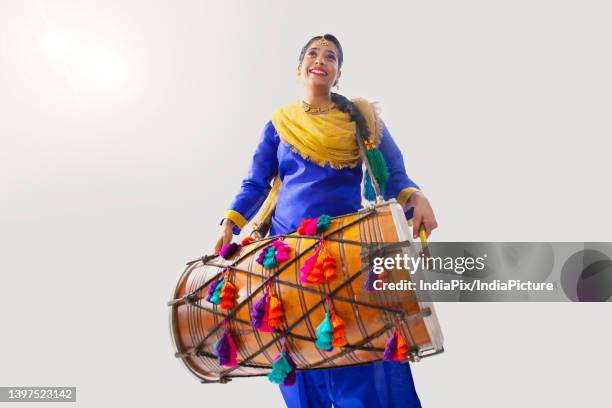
(126, 127)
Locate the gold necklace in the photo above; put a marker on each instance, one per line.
(317, 111)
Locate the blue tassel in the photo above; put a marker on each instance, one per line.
(216, 297)
(368, 192)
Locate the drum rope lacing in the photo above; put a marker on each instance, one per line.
(278, 272)
(379, 248)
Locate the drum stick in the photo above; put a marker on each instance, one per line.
(422, 233)
(423, 237)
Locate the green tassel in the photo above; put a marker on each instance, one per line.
(379, 168)
(323, 223)
(325, 334)
(270, 258)
(280, 369)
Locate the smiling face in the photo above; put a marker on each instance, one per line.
(319, 67)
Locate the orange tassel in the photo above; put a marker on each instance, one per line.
(302, 228)
(320, 267)
(316, 275)
(402, 348)
(329, 268)
(247, 240)
(327, 263)
(339, 330)
(275, 312)
(228, 295)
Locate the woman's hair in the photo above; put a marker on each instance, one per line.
(342, 102)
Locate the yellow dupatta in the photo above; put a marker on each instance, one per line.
(323, 139)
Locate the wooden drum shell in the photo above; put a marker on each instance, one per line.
(370, 317)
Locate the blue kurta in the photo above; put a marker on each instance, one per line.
(309, 190)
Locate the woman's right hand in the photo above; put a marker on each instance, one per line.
(226, 234)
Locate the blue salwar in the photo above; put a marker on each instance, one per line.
(379, 385)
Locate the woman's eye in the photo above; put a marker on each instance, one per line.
(331, 57)
(312, 54)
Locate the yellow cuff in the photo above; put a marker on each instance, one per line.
(237, 218)
(404, 195)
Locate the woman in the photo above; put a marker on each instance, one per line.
(309, 153)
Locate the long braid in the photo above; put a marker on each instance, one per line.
(375, 157)
(345, 105)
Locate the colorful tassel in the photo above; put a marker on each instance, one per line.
(228, 295)
(380, 171)
(291, 378)
(368, 284)
(278, 251)
(275, 312)
(259, 310)
(314, 226)
(397, 348)
(261, 256)
(327, 263)
(320, 267)
(283, 250)
(325, 334)
(265, 327)
(390, 348)
(339, 334)
(282, 368)
(323, 223)
(247, 240)
(401, 353)
(226, 351)
(267, 313)
(216, 296)
(269, 261)
(228, 250)
(311, 272)
(302, 228)
(308, 227)
(368, 192)
(329, 268)
(211, 289)
(306, 269)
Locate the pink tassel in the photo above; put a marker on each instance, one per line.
(283, 256)
(283, 251)
(306, 270)
(228, 250)
(265, 327)
(302, 228)
(311, 227)
(233, 352)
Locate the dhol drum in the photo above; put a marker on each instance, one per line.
(307, 295)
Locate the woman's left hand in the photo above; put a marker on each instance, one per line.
(423, 214)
